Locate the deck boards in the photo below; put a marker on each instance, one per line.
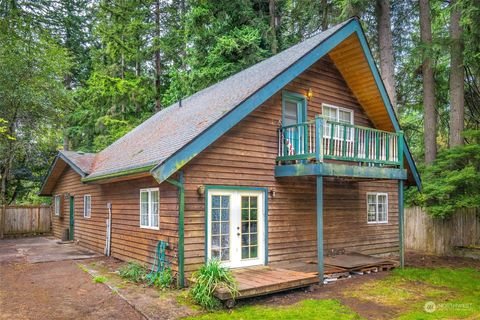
(256, 281)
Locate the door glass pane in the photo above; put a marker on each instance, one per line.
(291, 113)
(249, 238)
(220, 226)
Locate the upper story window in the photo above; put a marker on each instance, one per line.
(149, 208)
(377, 207)
(87, 206)
(57, 203)
(340, 115)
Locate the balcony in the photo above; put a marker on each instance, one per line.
(352, 150)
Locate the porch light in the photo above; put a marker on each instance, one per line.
(309, 94)
(201, 190)
(272, 193)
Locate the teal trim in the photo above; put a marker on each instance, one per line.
(320, 227)
(198, 144)
(265, 218)
(401, 223)
(181, 227)
(339, 170)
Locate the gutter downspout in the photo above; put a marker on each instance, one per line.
(181, 226)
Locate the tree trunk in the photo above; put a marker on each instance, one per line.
(273, 26)
(429, 112)
(324, 7)
(158, 66)
(386, 49)
(457, 100)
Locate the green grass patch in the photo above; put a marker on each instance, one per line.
(306, 309)
(450, 293)
(100, 279)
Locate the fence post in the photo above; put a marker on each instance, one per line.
(2, 220)
(318, 138)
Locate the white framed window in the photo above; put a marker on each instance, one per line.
(377, 207)
(149, 208)
(57, 202)
(339, 115)
(87, 206)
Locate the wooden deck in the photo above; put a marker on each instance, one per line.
(261, 280)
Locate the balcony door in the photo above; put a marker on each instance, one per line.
(236, 227)
(294, 111)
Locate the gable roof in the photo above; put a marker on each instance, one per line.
(170, 138)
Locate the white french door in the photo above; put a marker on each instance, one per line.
(236, 227)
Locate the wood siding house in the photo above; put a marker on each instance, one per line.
(294, 158)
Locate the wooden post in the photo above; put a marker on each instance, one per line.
(401, 223)
(318, 138)
(320, 227)
(2, 220)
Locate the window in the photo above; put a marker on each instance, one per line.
(340, 115)
(87, 206)
(149, 208)
(377, 208)
(57, 204)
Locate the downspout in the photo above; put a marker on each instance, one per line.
(181, 226)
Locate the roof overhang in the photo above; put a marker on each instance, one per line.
(348, 34)
(56, 169)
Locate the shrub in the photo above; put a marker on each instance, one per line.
(133, 271)
(211, 276)
(161, 279)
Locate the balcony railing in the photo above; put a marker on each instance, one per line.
(320, 139)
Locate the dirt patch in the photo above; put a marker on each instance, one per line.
(151, 302)
(415, 259)
(57, 290)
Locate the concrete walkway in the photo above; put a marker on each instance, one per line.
(41, 249)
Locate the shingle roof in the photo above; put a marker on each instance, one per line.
(159, 137)
(83, 161)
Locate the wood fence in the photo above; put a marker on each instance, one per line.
(437, 236)
(17, 220)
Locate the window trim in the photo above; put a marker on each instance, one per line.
(89, 206)
(351, 111)
(56, 207)
(149, 215)
(376, 194)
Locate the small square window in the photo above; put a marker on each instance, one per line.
(377, 208)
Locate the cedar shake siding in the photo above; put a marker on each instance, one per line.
(245, 156)
(128, 240)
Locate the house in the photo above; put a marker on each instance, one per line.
(289, 160)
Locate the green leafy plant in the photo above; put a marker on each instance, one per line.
(453, 180)
(161, 279)
(100, 279)
(210, 277)
(133, 271)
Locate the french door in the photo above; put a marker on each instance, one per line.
(236, 227)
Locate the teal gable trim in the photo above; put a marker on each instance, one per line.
(181, 157)
(339, 170)
(265, 218)
(164, 170)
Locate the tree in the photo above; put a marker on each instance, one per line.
(32, 100)
(457, 91)
(429, 113)
(387, 64)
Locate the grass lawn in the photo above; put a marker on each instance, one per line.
(445, 293)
